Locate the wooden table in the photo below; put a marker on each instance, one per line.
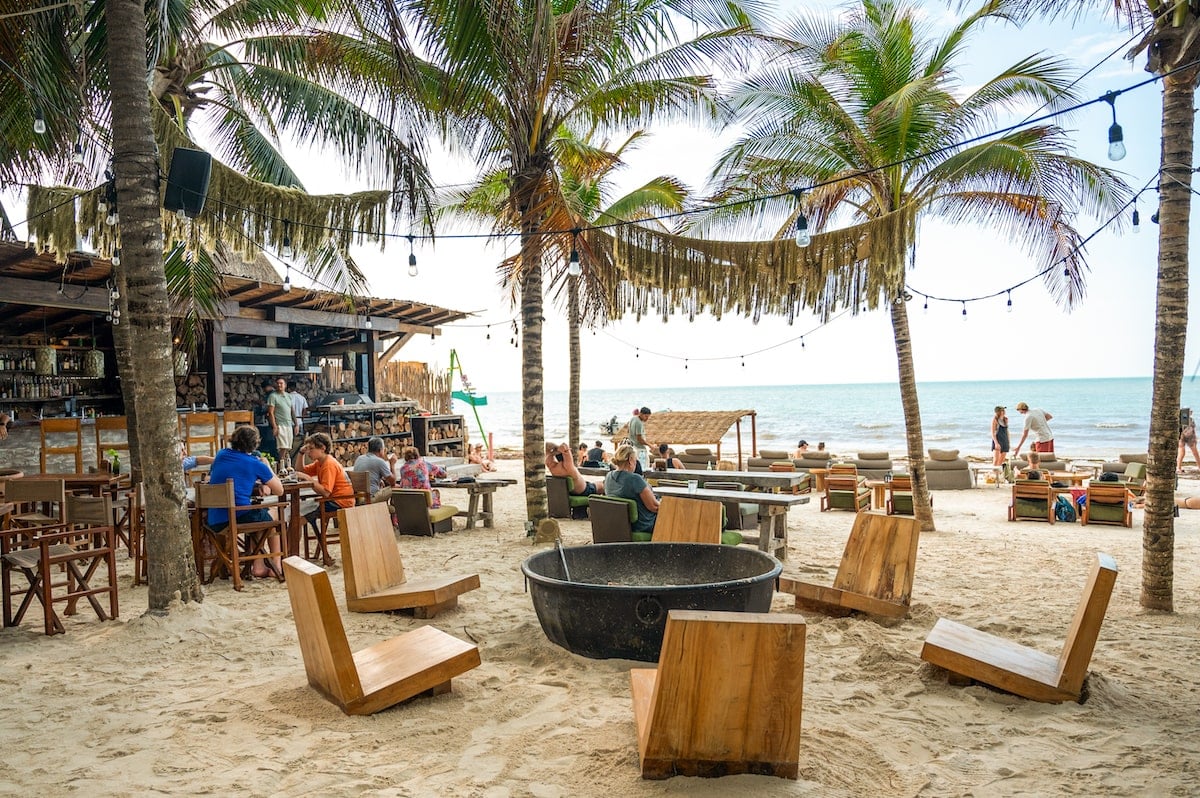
(878, 492)
(1091, 465)
(764, 480)
(772, 524)
(1075, 478)
(978, 468)
(484, 489)
(293, 492)
(819, 475)
(96, 484)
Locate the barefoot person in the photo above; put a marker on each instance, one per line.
(1000, 436)
(560, 463)
(475, 457)
(250, 476)
(1037, 421)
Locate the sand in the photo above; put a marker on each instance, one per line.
(213, 699)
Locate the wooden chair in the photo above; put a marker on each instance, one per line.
(36, 502)
(561, 503)
(683, 520)
(845, 492)
(238, 543)
(361, 482)
(416, 515)
(1134, 478)
(61, 426)
(900, 496)
(972, 655)
(112, 433)
(782, 467)
(374, 573)
(80, 549)
(843, 469)
(1032, 499)
(232, 419)
(1107, 503)
(137, 532)
(726, 697)
(876, 572)
(422, 661)
(612, 519)
(201, 429)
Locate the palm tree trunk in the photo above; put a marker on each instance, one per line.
(123, 348)
(533, 423)
(1170, 338)
(573, 346)
(136, 165)
(912, 416)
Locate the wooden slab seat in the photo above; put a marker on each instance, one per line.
(726, 697)
(1018, 669)
(374, 573)
(876, 572)
(364, 682)
(688, 521)
(416, 515)
(561, 503)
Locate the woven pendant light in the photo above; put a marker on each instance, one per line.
(93, 363)
(349, 361)
(45, 361)
(301, 360)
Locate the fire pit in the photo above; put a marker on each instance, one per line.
(616, 600)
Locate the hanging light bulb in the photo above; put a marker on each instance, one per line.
(1009, 303)
(573, 267)
(101, 206)
(286, 252)
(964, 311)
(116, 258)
(367, 323)
(1116, 137)
(803, 237)
(39, 122)
(287, 279)
(412, 258)
(926, 308)
(181, 215)
(114, 294)
(1137, 220)
(77, 153)
(112, 218)
(1154, 217)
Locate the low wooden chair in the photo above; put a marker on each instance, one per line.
(374, 573)
(683, 520)
(843, 468)
(561, 503)
(422, 661)
(36, 502)
(416, 515)
(738, 515)
(612, 519)
(972, 655)
(239, 543)
(50, 448)
(1032, 499)
(112, 434)
(900, 496)
(783, 467)
(1107, 503)
(201, 429)
(845, 492)
(726, 697)
(1134, 478)
(876, 572)
(232, 419)
(80, 548)
(361, 482)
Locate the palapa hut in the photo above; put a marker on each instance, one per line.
(696, 428)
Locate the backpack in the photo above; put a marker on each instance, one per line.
(1064, 509)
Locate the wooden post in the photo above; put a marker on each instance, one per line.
(215, 365)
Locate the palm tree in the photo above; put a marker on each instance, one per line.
(864, 112)
(518, 71)
(1171, 42)
(583, 177)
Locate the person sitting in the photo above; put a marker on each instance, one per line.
(416, 472)
(379, 470)
(560, 463)
(667, 454)
(326, 476)
(250, 475)
(1031, 470)
(475, 457)
(581, 454)
(596, 456)
(190, 461)
(802, 449)
(624, 483)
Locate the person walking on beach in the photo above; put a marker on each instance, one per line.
(999, 436)
(637, 436)
(1038, 422)
(1187, 437)
(623, 483)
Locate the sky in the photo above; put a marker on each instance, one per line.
(1110, 334)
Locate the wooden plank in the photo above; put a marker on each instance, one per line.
(45, 294)
(1085, 626)
(325, 318)
(323, 646)
(408, 665)
(994, 661)
(235, 325)
(688, 521)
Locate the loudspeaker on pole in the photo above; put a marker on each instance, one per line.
(187, 182)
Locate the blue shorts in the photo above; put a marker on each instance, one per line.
(589, 488)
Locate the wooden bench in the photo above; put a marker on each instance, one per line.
(364, 682)
(683, 520)
(726, 697)
(876, 572)
(972, 655)
(374, 573)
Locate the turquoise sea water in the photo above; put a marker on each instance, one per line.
(1092, 418)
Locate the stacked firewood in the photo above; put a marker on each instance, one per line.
(191, 390)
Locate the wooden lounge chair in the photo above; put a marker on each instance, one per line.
(900, 496)
(726, 697)
(845, 492)
(416, 515)
(364, 682)
(1134, 478)
(374, 573)
(1107, 503)
(1032, 499)
(688, 521)
(561, 503)
(737, 514)
(974, 655)
(876, 572)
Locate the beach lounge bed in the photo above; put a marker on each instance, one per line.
(876, 572)
(374, 573)
(726, 697)
(422, 661)
(973, 655)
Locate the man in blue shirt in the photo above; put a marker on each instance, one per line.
(238, 463)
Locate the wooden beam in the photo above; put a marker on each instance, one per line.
(324, 318)
(395, 347)
(45, 294)
(240, 326)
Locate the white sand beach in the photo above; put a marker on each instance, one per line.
(213, 699)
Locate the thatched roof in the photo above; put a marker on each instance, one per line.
(688, 427)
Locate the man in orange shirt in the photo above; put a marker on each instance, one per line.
(326, 474)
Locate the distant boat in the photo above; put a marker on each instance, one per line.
(610, 427)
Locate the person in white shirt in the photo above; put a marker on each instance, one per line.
(1036, 421)
(299, 408)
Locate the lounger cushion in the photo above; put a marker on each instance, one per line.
(774, 454)
(1134, 458)
(437, 514)
(699, 452)
(817, 455)
(873, 456)
(945, 455)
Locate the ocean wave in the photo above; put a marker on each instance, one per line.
(874, 424)
(1114, 425)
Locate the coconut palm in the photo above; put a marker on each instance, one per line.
(864, 112)
(518, 71)
(583, 177)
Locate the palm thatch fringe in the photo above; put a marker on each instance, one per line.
(652, 271)
(683, 427)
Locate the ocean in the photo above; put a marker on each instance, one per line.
(1093, 418)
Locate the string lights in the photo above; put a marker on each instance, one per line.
(287, 278)
(412, 257)
(39, 122)
(1116, 137)
(803, 237)
(573, 267)
(286, 252)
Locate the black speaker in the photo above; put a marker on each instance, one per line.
(187, 184)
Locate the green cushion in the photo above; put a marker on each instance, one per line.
(442, 513)
(902, 503)
(642, 537)
(1031, 508)
(1106, 512)
(575, 500)
(731, 537)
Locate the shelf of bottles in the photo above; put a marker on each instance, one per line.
(18, 380)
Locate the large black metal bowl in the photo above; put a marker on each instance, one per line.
(618, 596)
